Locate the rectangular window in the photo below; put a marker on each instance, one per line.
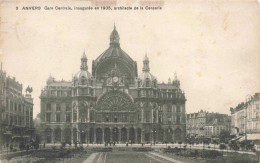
(53, 93)
(124, 118)
(68, 107)
(147, 117)
(178, 109)
(58, 93)
(68, 119)
(160, 118)
(11, 106)
(99, 117)
(69, 93)
(48, 117)
(7, 104)
(169, 109)
(74, 117)
(257, 106)
(178, 119)
(58, 117)
(48, 107)
(57, 107)
(147, 93)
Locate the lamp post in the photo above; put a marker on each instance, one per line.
(154, 135)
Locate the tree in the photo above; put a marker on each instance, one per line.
(224, 136)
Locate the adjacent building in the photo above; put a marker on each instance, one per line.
(206, 125)
(245, 118)
(16, 120)
(112, 103)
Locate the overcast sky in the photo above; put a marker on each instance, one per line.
(213, 46)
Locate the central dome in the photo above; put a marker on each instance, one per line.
(114, 55)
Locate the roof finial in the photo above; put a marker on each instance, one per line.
(175, 75)
(145, 57)
(114, 25)
(146, 64)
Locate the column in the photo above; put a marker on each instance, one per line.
(62, 135)
(127, 135)
(88, 115)
(71, 136)
(142, 136)
(157, 116)
(142, 115)
(94, 135)
(52, 136)
(103, 136)
(165, 134)
(152, 120)
(119, 135)
(111, 134)
(135, 135)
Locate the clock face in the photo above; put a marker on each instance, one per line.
(115, 79)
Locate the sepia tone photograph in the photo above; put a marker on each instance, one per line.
(125, 81)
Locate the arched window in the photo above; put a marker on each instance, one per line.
(139, 83)
(147, 82)
(154, 83)
(83, 80)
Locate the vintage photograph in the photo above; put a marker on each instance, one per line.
(125, 81)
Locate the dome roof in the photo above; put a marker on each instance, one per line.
(114, 49)
(50, 79)
(114, 36)
(83, 76)
(146, 76)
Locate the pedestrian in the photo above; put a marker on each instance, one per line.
(11, 147)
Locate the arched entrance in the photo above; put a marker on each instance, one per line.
(91, 135)
(107, 135)
(83, 137)
(48, 135)
(169, 135)
(160, 135)
(67, 135)
(123, 135)
(132, 135)
(139, 137)
(177, 135)
(74, 135)
(57, 134)
(115, 135)
(147, 138)
(99, 135)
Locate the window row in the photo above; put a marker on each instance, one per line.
(59, 93)
(57, 107)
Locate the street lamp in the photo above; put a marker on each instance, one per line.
(154, 134)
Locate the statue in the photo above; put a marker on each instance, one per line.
(29, 89)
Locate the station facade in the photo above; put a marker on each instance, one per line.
(112, 103)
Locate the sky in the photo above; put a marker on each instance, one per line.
(214, 46)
